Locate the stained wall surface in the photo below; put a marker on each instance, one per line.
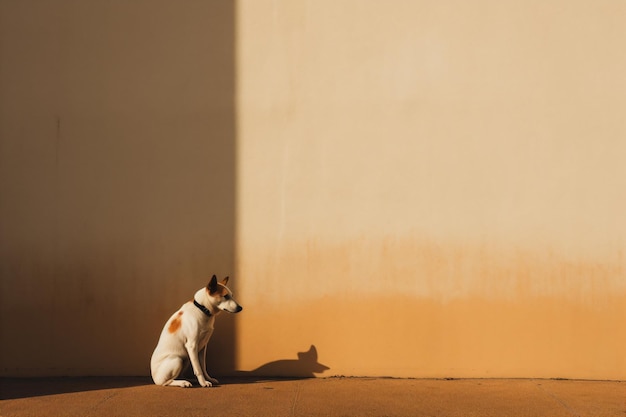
(433, 188)
(403, 188)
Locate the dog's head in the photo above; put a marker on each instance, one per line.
(221, 296)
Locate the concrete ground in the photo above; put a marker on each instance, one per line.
(313, 397)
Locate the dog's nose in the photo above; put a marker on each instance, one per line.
(239, 308)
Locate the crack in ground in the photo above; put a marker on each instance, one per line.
(563, 403)
(102, 401)
(295, 400)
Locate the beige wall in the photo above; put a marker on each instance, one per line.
(433, 189)
(416, 188)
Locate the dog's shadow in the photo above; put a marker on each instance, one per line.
(306, 366)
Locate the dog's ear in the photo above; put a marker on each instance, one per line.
(225, 281)
(212, 286)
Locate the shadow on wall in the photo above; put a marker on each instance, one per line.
(306, 366)
(118, 183)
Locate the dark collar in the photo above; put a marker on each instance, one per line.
(202, 308)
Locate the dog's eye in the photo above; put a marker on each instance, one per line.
(227, 297)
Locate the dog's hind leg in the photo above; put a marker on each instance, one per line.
(168, 371)
(178, 383)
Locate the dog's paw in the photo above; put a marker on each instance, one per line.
(206, 384)
(185, 384)
(213, 381)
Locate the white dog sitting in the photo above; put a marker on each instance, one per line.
(186, 334)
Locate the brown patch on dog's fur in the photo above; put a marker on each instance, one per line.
(175, 324)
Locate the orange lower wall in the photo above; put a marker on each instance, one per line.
(409, 309)
(402, 336)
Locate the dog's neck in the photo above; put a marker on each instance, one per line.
(203, 308)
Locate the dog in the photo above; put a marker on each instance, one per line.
(186, 334)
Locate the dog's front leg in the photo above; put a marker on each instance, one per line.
(192, 351)
(203, 366)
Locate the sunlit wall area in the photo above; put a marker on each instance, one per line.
(433, 188)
